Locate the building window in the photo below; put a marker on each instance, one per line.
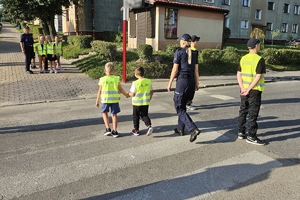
(286, 8)
(209, 1)
(258, 14)
(227, 22)
(244, 24)
(284, 27)
(246, 3)
(269, 26)
(296, 10)
(67, 15)
(295, 28)
(170, 28)
(225, 2)
(271, 6)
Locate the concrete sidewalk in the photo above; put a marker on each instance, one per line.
(17, 87)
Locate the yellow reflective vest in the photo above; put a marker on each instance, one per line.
(142, 92)
(110, 89)
(58, 48)
(42, 51)
(50, 48)
(248, 65)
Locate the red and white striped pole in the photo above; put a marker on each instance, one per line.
(125, 17)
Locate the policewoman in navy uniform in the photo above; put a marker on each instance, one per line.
(184, 68)
(26, 44)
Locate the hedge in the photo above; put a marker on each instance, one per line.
(107, 50)
(80, 41)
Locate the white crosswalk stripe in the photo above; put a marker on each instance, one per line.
(28, 183)
(222, 97)
(209, 180)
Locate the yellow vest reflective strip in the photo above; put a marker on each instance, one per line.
(248, 65)
(58, 48)
(41, 51)
(142, 94)
(50, 48)
(110, 89)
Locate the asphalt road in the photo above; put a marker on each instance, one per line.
(57, 150)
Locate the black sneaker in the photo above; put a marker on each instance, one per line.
(254, 140)
(115, 133)
(33, 67)
(242, 136)
(107, 132)
(29, 72)
(179, 131)
(194, 133)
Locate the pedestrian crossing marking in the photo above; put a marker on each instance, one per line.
(54, 176)
(222, 97)
(209, 180)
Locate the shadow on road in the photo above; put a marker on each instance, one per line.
(211, 180)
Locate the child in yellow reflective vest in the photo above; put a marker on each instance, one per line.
(109, 94)
(59, 51)
(141, 92)
(51, 56)
(41, 50)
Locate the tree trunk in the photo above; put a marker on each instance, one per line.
(51, 26)
(45, 27)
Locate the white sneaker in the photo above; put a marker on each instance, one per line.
(149, 131)
(191, 107)
(55, 71)
(51, 71)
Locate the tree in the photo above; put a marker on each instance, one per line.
(275, 34)
(45, 10)
(257, 33)
(227, 32)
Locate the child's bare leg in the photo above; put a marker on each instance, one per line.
(114, 121)
(106, 119)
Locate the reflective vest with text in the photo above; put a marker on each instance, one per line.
(142, 94)
(110, 89)
(248, 65)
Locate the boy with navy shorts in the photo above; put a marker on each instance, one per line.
(109, 93)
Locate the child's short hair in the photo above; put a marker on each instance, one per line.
(109, 67)
(140, 71)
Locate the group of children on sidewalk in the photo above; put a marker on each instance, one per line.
(47, 50)
(109, 91)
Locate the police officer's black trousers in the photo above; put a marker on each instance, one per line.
(185, 89)
(28, 56)
(140, 111)
(250, 105)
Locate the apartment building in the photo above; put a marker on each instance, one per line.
(268, 15)
(160, 22)
(93, 17)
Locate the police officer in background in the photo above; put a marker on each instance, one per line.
(184, 68)
(26, 44)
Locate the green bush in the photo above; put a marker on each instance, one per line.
(230, 55)
(112, 36)
(80, 41)
(107, 50)
(145, 52)
(215, 61)
(171, 48)
(281, 56)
